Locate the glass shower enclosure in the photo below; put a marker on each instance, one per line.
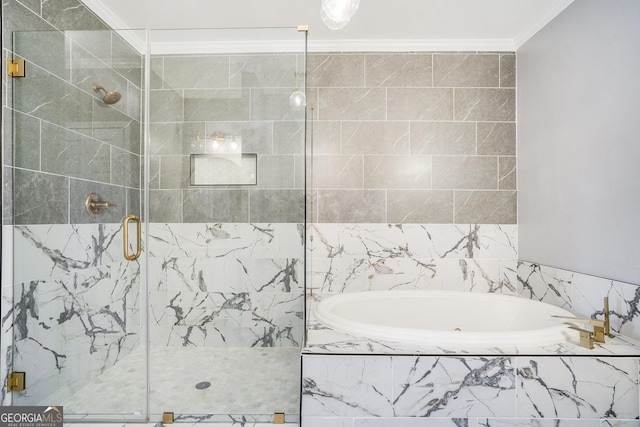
(159, 223)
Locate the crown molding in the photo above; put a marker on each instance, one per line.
(553, 11)
(114, 22)
(100, 8)
(442, 45)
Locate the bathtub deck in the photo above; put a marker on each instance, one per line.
(322, 340)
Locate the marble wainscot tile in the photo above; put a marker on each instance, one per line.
(574, 387)
(183, 274)
(6, 338)
(429, 241)
(338, 275)
(328, 422)
(49, 250)
(85, 320)
(413, 422)
(346, 386)
(453, 387)
(545, 284)
(433, 274)
(323, 240)
(537, 422)
(218, 240)
(266, 319)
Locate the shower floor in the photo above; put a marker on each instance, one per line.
(230, 381)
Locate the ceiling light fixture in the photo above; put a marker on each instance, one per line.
(337, 13)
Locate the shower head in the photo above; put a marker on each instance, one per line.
(109, 97)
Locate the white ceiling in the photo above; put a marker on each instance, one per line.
(378, 25)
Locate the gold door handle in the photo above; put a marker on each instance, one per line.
(125, 226)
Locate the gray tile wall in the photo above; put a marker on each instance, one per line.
(68, 143)
(195, 97)
(413, 138)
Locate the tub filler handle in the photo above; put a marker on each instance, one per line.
(598, 326)
(586, 336)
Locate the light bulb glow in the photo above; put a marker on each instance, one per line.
(297, 99)
(337, 13)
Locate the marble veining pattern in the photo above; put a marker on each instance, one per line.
(453, 387)
(578, 388)
(484, 390)
(346, 386)
(226, 284)
(583, 295)
(75, 310)
(356, 257)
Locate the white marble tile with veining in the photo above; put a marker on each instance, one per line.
(575, 387)
(229, 239)
(49, 250)
(346, 386)
(456, 387)
(545, 284)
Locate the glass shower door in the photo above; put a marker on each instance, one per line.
(79, 305)
(226, 223)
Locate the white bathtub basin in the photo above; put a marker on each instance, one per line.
(443, 318)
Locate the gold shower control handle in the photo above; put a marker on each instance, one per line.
(125, 226)
(95, 206)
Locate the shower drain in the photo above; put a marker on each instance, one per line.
(203, 385)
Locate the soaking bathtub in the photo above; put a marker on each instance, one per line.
(442, 318)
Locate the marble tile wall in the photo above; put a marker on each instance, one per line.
(583, 294)
(413, 138)
(242, 95)
(75, 310)
(230, 285)
(365, 257)
(406, 391)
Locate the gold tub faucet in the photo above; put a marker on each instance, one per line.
(601, 328)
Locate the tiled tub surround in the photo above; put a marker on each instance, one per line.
(401, 391)
(361, 257)
(583, 294)
(354, 381)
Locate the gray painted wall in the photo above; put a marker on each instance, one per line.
(578, 144)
